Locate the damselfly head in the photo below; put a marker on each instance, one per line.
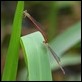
(26, 13)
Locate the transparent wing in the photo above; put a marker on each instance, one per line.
(56, 57)
(54, 54)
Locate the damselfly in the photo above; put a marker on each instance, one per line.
(45, 38)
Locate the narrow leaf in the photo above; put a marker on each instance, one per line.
(67, 39)
(36, 57)
(67, 61)
(11, 64)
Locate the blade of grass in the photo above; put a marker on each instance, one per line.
(67, 39)
(11, 64)
(67, 60)
(52, 17)
(72, 77)
(36, 57)
(65, 3)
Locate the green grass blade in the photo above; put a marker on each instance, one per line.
(36, 57)
(52, 18)
(67, 39)
(67, 61)
(11, 64)
(65, 3)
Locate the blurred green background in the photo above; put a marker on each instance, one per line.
(55, 17)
